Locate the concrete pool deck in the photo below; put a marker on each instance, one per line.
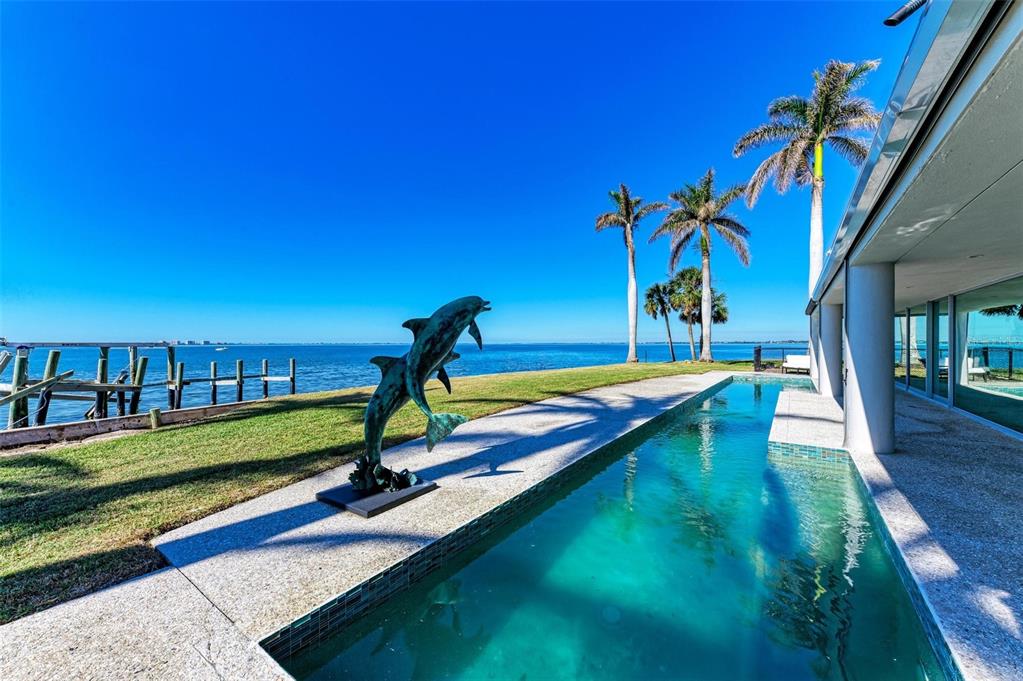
(951, 497)
(243, 574)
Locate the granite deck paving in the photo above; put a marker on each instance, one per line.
(806, 418)
(245, 572)
(951, 497)
(158, 626)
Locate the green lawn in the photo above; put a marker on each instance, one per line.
(78, 518)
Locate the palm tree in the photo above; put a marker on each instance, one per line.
(658, 302)
(685, 298)
(1004, 311)
(830, 116)
(699, 211)
(627, 215)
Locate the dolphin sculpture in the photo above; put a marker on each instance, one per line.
(403, 378)
(434, 340)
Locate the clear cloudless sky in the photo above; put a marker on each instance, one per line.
(321, 172)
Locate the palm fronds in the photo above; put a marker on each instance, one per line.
(698, 209)
(800, 124)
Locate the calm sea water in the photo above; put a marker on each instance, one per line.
(686, 554)
(332, 367)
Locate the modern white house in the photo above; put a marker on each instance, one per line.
(922, 288)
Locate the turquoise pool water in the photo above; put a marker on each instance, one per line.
(683, 553)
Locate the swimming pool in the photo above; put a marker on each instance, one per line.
(686, 552)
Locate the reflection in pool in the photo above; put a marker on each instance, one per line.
(691, 554)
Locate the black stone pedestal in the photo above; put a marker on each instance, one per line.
(350, 499)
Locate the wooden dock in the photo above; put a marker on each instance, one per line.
(121, 394)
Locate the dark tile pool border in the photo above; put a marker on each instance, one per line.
(334, 616)
(791, 449)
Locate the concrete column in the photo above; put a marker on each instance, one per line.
(869, 349)
(813, 348)
(831, 350)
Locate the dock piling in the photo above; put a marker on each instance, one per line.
(50, 371)
(170, 376)
(179, 385)
(266, 383)
(213, 382)
(18, 416)
(291, 374)
(138, 380)
(100, 410)
(239, 377)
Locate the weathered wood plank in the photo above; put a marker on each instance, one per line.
(20, 395)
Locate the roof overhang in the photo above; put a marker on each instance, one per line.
(931, 135)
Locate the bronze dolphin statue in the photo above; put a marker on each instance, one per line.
(403, 378)
(434, 340)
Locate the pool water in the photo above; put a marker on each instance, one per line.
(690, 555)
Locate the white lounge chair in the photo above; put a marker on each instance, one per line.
(796, 363)
(974, 368)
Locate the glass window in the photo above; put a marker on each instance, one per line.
(900, 348)
(918, 347)
(941, 351)
(989, 346)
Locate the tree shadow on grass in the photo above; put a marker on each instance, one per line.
(37, 508)
(296, 404)
(27, 591)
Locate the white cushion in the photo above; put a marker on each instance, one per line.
(797, 362)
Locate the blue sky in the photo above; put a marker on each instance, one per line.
(321, 172)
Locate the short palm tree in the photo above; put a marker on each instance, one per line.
(830, 116)
(658, 302)
(685, 298)
(628, 212)
(700, 211)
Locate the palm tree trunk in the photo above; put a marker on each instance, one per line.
(692, 342)
(667, 326)
(817, 218)
(706, 302)
(633, 302)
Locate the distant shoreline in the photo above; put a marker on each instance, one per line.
(361, 343)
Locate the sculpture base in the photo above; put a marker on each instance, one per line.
(368, 505)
